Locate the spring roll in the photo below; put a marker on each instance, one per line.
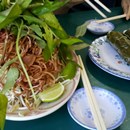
(121, 43)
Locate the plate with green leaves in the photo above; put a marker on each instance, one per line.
(52, 99)
(38, 65)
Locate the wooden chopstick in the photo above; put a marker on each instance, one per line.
(111, 18)
(103, 6)
(98, 120)
(95, 8)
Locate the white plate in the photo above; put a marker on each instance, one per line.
(107, 58)
(47, 108)
(112, 108)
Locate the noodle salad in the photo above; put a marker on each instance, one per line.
(35, 52)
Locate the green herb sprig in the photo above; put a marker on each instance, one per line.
(40, 23)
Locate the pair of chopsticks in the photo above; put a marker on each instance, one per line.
(98, 120)
(96, 9)
(111, 18)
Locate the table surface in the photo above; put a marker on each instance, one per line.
(61, 120)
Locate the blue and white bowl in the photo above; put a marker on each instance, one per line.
(100, 28)
(111, 106)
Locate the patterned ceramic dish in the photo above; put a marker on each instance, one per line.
(100, 28)
(108, 59)
(111, 107)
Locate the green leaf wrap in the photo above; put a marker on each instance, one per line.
(121, 43)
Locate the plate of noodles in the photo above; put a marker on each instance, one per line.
(43, 74)
(23, 103)
(36, 53)
(45, 109)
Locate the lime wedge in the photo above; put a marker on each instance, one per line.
(51, 93)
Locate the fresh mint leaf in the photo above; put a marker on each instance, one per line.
(69, 70)
(24, 3)
(5, 66)
(79, 46)
(48, 36)
(36, 29)
(81, 30)
(46, 53)
(31, 19)
(54, 24)
(9, 15)
(49, 6)
(40, 41)
(71, 40)
(12, 76)
(4, 3)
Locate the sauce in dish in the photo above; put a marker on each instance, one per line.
(100, 28)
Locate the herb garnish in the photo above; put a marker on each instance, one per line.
(37, 20)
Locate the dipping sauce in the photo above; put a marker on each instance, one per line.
(100, 28)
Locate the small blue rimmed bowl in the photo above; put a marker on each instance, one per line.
(111, 106)
(100, 28)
